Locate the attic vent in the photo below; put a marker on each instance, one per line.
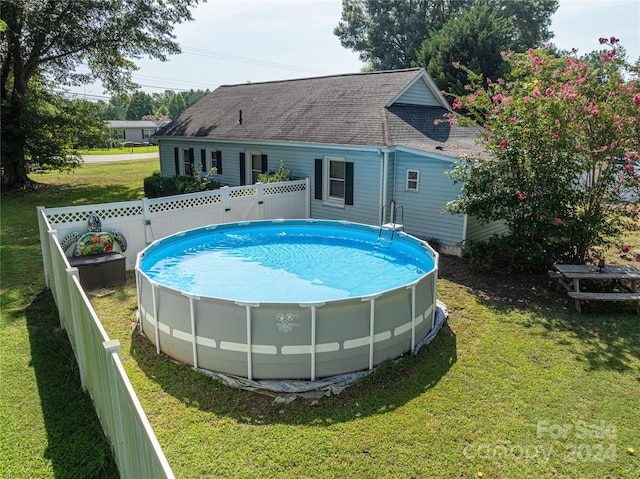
(439, 147)
(240, 117)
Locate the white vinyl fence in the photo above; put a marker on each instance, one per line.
(137, 451)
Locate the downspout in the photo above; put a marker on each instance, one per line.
(384, 178)
(395, 167)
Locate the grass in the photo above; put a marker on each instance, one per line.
(48, 427)
(507, 388)
(120, 151)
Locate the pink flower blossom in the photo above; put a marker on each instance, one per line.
(512, 120)
(536, 93)
(636, 99)
(579, 147)
(537, 61)
(456, 104)
(526, 99)
(625, 248)
(521, 195)
(549, 92)
(614, 40)
(602, 40)
(504, 143)
(558, 222)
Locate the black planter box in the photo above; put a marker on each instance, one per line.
(100, 270)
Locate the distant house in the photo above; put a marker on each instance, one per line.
(367, 141)
(135, 132)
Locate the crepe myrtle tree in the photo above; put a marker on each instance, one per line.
(561, 135)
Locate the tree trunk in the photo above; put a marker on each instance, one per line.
(14, 171)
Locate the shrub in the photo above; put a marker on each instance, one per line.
(275, 176)
(157, 186)
(554, 132)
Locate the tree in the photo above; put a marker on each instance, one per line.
(388, 33)
(116, 109)
(140, 104)
(473, 38)
(176, 106)
(560, 137)
(52, 38)
(53, 126)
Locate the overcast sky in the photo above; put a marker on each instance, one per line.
(237, 41)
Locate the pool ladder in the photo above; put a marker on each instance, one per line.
(388, 230)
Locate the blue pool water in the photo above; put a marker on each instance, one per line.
(278, 262)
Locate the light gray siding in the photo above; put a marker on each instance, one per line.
(301, 162)
(418, 94)
(478, 231)
(423, 215)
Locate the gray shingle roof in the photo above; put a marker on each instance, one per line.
(343, 109)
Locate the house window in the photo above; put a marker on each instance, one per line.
(187, 162)
(413, 180)
(211, 158)
(147, 132)
(334, 181)
(255, 166)
(119, 134)
(252, 163)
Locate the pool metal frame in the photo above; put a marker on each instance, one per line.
(293, 340)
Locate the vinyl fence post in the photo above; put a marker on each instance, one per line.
(111, 348)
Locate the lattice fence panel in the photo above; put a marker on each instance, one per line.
(284, 188)
(104, 213)
(241, 193)
(184, 203)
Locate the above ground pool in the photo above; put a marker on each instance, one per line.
(288, 299)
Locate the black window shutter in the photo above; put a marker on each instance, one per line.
(242, 170)
(264, 164)
(348, 183)
(176, 160)
(219, 161)
(192, 157)
(203, 160)
(318, 179)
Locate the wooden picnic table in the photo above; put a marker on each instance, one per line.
(569, 276)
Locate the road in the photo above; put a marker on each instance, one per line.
(128, 156)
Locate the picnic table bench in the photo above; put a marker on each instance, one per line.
(569, 277)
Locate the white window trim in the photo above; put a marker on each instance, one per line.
(147, 133)
(209, 160)
(248, 165)
(184, 159)
(327, 200)
(416, 180)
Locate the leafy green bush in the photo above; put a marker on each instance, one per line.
(156, 186)
(275, 176)
(554, 132)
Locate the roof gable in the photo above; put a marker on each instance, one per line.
(421, 91)
(353, 109)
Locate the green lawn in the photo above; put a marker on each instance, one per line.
(515, 385)
(120, 151)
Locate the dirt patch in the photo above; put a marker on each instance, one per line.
(521, 289)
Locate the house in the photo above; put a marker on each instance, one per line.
(135, 132)
(367, 141)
